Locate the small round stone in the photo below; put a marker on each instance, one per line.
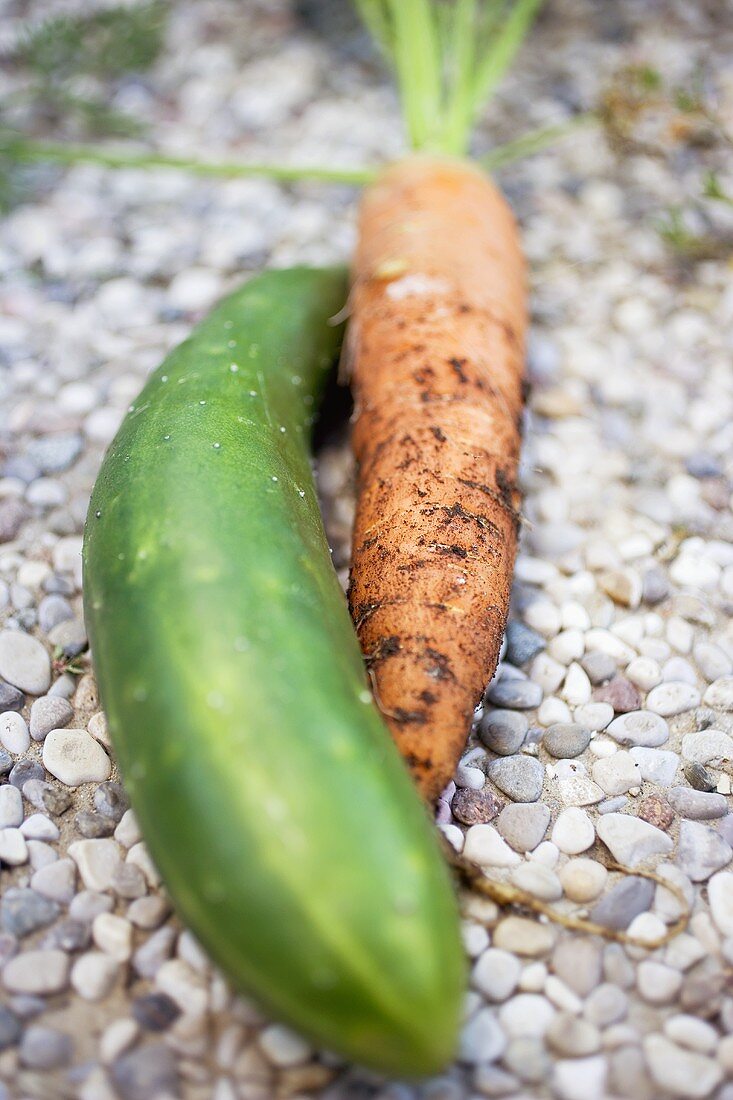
(94, 974)
(110, 799)
(496, 974)
(697, 805)
(74, 757)
(536, 879)
(14, 732)
(503, 731)
(583, 879)
(37, 972)
(11, 807)
(11, 1028)
(519, 777)
(526, 1014)
(573, 831)
(566, 740)
(23, 911)
(631, 840)
(45, 1048)
(510, 693)
(622, 695)
(656, 811)
(24, 771)
(680, 1072)
(92, 824)
(482, 1039)
(523, 643)
(523, 825)
(485, 846)
(701, 851)
(282, 1047)
(572, 1037)
(623, 902)
(48, 713)
(674, 697)
(639, 728)
(473, 807)
(147, 1072)
(24, 662)
(155, 1011)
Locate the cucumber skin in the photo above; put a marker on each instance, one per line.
(269, 792)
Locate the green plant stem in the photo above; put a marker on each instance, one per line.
(29, 151)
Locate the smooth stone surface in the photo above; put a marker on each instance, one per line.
(617, 774)
(503, 731)
(674, 697)
(680, 1072)
(482, 1039)
(523, 825)
(74, 757)
(496, 974)
(630, 840)
(720, 895)
(697, 805)
(639, 727)
(720, 694)
(583, 879)
(656, 765)
(14, 732)
(624, 901)
(37, 972)
(573, 831)
(518, 777)
(48, 713)
(484, 845)
(708, 746)
(11, 807)
(701, 851)
(510, 693)
(24, 663)
(566, 740)
(23, 911)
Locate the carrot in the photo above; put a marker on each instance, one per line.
(435, 355)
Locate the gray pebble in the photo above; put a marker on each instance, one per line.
(572, 1037)
(24, 771)
(24, 662)
(20, 467)
(49, 713)
(45, 1048)
(523, 825)
(70, 637)
(519, 777)
(128, 881)
(150, 956)
(515, 694)
(654, 586)
(503, 731)
(701, 851)
(10, 1028)
(69, 935)
(23, 911)
(13, 513)
(578, 963)
(54, 453)
(599, 666)
(88, 904)
(566, 740)
(11, 698)
(155, 1011)
(64, 687)
(144, 1073)
(606, 1005)
(26, 1005)
(57, 585)
(623, 902)
(46, 796)
(612, 805)
(523, 643)
(93, 825)
(110, 799)
(52, 610)
(6, 762)
(697, 805)
(702, 464)
(639, 728)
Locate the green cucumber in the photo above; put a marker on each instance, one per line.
(271, 797)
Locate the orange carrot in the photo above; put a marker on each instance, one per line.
(435, 353)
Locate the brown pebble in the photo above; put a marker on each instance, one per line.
(699, 777)
(657, 811)
(620, 693)
(475, 807)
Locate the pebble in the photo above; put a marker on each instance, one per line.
(56, 881)
(691, 1032)
(148, 912)
(707, 746)
(11, 807)
(472, 807)
(39, 827)
(526, 1057)
(573, 831)
(644, 672)
(110, 799)
(52, 454)
(48, 713)
(10, 697)
(698, 776)
(94, 974)
(674, 697)
(484, 846)
(96, 861)
(536, 879)
(572, 1037)
(150, 956)
(617, 774)
(70, 637)
(45, 796)
(45, 1048)
(680, 1072)
(37, 972)
(518, 777)
(624, 901)
(657, 984)
(510, 693)
(10, 1028)
(113, 935)
(630, 840)
(656, 765)
(639, 728)
(719, 694)
(720, 896)
(69, 936)
(579, 790)
(622, 695)
(149, 1071)
(92, 824)
(656, 811)
(524, 937)
(583, 879)
(14, 732)
(576, 689)
(13, 848)
(595, 716)
(599, 666)
(566, 740)
(526, 1015)
(553, 710)
(87, 903)
(701, 851)
(117, 1037)
(53, 610)
(580, 1078)
(24, 663)
(606, 1005)
(155, 1011)
(74, 757)
(482, 1039)
(697, 805)
(523, 643)
(496, 974)
(23, 911)
(523, 825)
(13, 513)
(503, 731)
(128, 832)
(24, 771)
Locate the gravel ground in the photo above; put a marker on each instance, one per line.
(608, 731)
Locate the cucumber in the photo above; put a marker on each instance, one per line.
(271, 797)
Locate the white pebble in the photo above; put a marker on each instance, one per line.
(552, 710)
(14, 732)
(496, 974)
(644, 672)
(526, 1014)
(74, 757)
(13, 848)
(94, 974)
(485, 846)
(583, 879)
(594, 716)
(113, 935)
(37, 973)
(573, 832)
(11, 807)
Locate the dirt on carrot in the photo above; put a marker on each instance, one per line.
(435, 356)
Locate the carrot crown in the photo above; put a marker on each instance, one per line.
(448, 57)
